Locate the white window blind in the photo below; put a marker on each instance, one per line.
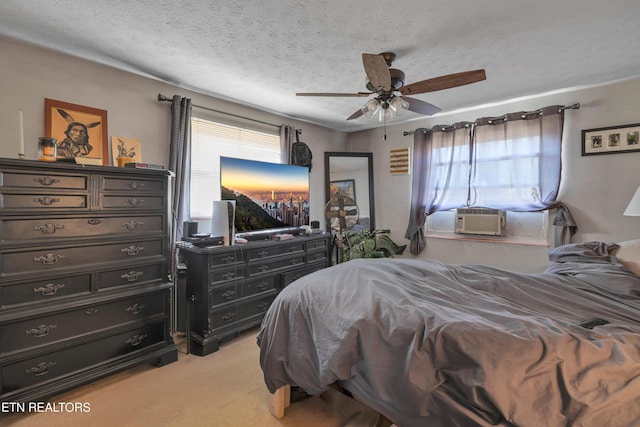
(209, 141)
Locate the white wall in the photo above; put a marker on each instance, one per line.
(595, 188)
(30, 74)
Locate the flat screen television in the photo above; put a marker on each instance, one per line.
(269, 196)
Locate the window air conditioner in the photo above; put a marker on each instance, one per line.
(480, 221)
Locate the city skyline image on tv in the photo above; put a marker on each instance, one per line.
(267, 195)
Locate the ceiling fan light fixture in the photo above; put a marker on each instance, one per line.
(398, 105)
(386, 114)
(371, 107)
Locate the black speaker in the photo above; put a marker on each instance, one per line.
(189, 228)
(315, 224)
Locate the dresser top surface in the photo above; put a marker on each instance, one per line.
(36, 165)
(251, 244)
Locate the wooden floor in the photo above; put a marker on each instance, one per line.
(222, 389)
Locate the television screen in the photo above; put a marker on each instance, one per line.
(267, 195)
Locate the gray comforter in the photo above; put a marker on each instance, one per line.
(428, 344)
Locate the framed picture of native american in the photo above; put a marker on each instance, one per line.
(80, 131)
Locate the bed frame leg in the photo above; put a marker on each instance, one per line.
(280, 400)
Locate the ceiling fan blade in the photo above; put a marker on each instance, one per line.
(421, 107)
(355, 115)
(333, 94)
(444, 82)
(377, 72)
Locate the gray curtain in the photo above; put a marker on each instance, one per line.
(419, 195)
(180, 164)
(287, 138)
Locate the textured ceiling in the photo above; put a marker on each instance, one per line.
(261, 52)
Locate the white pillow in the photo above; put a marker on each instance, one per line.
(629, 255)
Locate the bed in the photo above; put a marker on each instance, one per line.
(428, 344)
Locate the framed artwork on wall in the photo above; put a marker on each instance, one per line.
(610, 140)
(347, 187)
(128, 148)
(80, 131)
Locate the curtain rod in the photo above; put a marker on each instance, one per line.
(163, 98)
(575, 106)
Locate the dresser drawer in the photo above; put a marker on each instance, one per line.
(43, 202)
(255, 306)
(57, 327)
(316, 256)
(45, 290)
(224, 259)
(275, 250)
(317, 244)
(274, 264)
(15, 179)
(225, 274)
(263, 284)
(222, 294)
(134, 202)
(48, 259)
(140, 274)
(291, 276)
(53, 365)
(133, 185)
(25, 229)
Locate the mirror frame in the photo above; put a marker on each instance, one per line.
(369, 156)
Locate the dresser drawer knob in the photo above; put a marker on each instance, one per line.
(262, 285)
(136, 340)
(263, 254)
(46, 200)
(228, 259)
(228, 317)
(132, 225)
(229, 295)
(263, 306)
(131, 276)
(40, 331)
(46, 180)
(41, 368)
(48, 228)
(135, 308)
(92, 312)
(263, 268)
(229, 275)
(48, 289)
(132, 250)
(134, 202)
(94, 221)
(294, 249)
(48, 259)
(135, 185)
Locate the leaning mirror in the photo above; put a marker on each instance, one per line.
(352, 175)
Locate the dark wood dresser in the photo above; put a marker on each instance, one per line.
(84, 289)
(229, 288)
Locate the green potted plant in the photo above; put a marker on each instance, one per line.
(369, 244)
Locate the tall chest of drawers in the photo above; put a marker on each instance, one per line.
(84, 288)
(230, 288)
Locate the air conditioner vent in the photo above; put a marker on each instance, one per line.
(483, 221)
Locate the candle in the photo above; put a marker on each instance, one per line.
(21, 135)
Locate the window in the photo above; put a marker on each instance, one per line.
(512, 162)
(209, 141)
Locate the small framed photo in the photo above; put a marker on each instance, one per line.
(80, 131)
(610, 140)
(346, 187)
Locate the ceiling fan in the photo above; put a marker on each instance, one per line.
(384, 81)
